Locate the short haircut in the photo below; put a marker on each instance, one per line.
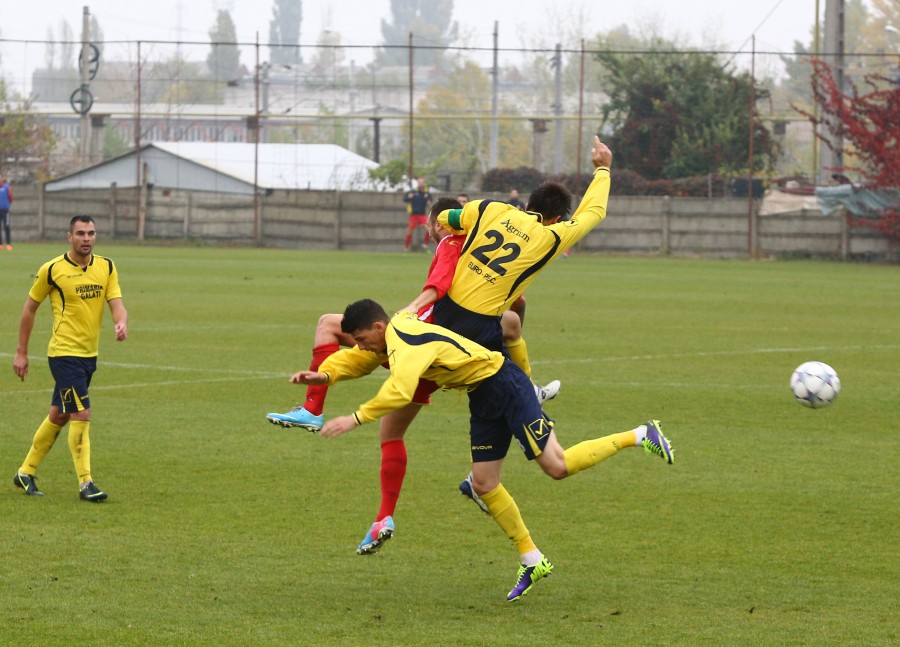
(361, 315)
(80, 218)
(442, 204)
(463, 195)
(551, 199)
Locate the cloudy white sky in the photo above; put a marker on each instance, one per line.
(729, 25)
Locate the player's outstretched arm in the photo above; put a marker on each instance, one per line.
(309, 377)
(600, 154)
(337, 426)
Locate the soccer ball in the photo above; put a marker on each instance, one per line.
(815, 384)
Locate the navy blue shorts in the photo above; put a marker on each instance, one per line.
(482, 329)
(73, 377)
(504, 407)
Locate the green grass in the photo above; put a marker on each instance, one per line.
(777, 525)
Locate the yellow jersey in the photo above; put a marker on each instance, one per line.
(77, 295)
(506, 248)
(415, 349)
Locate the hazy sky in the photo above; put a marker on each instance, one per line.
(776, 23)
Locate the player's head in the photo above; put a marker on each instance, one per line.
(463, 198)
(82, 235)
(87, 220)
(365, 320)
(441, 204)
(551, 200)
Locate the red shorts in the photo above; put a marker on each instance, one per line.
(424, 391)
(417, 220)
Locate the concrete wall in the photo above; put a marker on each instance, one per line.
(717, 228)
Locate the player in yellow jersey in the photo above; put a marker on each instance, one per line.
(79, 284)
(507, 248)
(502, 406)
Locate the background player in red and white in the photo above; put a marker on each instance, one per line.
(417, 203)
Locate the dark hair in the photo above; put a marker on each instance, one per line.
(442, 204)
(550, 199)
(361, 315)
(81, 218)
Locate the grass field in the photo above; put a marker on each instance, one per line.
(777, 525)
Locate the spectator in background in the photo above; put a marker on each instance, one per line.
(514, 201)
(417, 203)
(462, 198)
(6, 198)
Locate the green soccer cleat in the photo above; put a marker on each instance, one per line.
(92, 493)
(656, 443)
(528, 575)
(27, 482)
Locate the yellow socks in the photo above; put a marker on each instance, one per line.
(518, 352)
(44, 438)
(506, 513)
(590, 452)
(80, 446)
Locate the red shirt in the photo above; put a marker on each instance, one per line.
(441, 271)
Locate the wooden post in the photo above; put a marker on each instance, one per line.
(113, 208)
(666, 245)
(40, 209)
(142, 203)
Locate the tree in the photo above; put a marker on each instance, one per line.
(224, 58)
(869, 124)
(457, 143)
(677, 114)
(284, 32)
(428, 20)
(67, 46)
(24, 139)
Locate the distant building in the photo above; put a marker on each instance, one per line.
(230, 168)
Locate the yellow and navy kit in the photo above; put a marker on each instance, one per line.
(506, 248)
(414, 349)
(78, 296)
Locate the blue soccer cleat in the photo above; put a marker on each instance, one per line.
(379, 533)
(298, 417)
(467, 490)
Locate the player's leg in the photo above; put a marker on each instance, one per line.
(490, 438)
(327, 340)
(392, 429)
(511, 323)
(560, 463)
(410, 228)
(533, 565)
(393, 466)
(46, 434)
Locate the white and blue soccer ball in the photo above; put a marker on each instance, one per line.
(815, 384)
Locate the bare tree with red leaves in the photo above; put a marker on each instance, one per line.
(870, 123)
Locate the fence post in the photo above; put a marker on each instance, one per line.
(113, 208)
(665, 246)
(338, 233)
(188, 207)
(40, 209)
(845, 235)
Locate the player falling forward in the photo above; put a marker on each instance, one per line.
(502, 407)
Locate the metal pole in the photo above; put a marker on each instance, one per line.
(580, 112)
(495, 126)
(410, 110)
(256, 223)
(85, 80)
(815, 140)
(750, 245)
(137, 145)
(558, 110)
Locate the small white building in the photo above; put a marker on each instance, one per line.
(225, 167)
